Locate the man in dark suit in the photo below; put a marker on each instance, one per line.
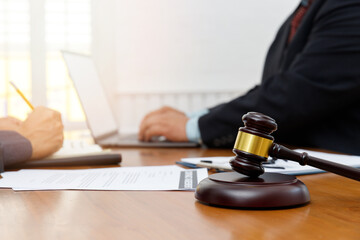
(310, 86)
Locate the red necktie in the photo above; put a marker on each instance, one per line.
(298, 17)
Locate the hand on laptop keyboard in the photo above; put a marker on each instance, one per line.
(158, 139)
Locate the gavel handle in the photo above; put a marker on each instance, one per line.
(278, 151)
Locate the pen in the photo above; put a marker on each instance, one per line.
(205, 165)
(217, 167)
(22, 95)
(275, 167)
(206, 161)
(186, 164)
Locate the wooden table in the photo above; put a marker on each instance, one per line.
(334, 211)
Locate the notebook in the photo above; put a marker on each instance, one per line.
(73, 153)
(100, 118)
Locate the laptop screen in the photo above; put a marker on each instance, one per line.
(82, 71)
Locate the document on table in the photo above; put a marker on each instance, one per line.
(279, 165)
(119, 178)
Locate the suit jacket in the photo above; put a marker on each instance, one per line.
(14, 148)
(310, 86)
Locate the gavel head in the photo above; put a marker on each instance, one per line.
(253, 143)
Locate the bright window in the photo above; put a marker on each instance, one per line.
(29, 29)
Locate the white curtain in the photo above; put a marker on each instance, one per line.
(32, 33)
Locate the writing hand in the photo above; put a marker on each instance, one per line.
(44, 129)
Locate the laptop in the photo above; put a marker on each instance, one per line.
(99, 116)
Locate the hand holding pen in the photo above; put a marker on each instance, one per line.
(43, 128)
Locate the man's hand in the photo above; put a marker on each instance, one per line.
(167, 122)
(10, 123)
(44, 129)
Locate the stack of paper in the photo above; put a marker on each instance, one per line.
(118, 178)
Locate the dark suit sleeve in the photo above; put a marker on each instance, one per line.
(322, 79)
(14, 148)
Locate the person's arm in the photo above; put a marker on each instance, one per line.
(40, 135)
(14, 148)
(323, 79)
(44, 129)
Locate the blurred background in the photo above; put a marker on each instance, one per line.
(188, 54)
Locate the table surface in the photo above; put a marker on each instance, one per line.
(333, 213)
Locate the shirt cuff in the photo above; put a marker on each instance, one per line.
(192, 126)
(197, 113)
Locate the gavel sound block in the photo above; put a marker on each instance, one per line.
(249, 186)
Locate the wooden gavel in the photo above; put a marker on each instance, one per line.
(254, 145)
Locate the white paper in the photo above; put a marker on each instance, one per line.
(282, 166)
(76, 147)
(121, 178)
